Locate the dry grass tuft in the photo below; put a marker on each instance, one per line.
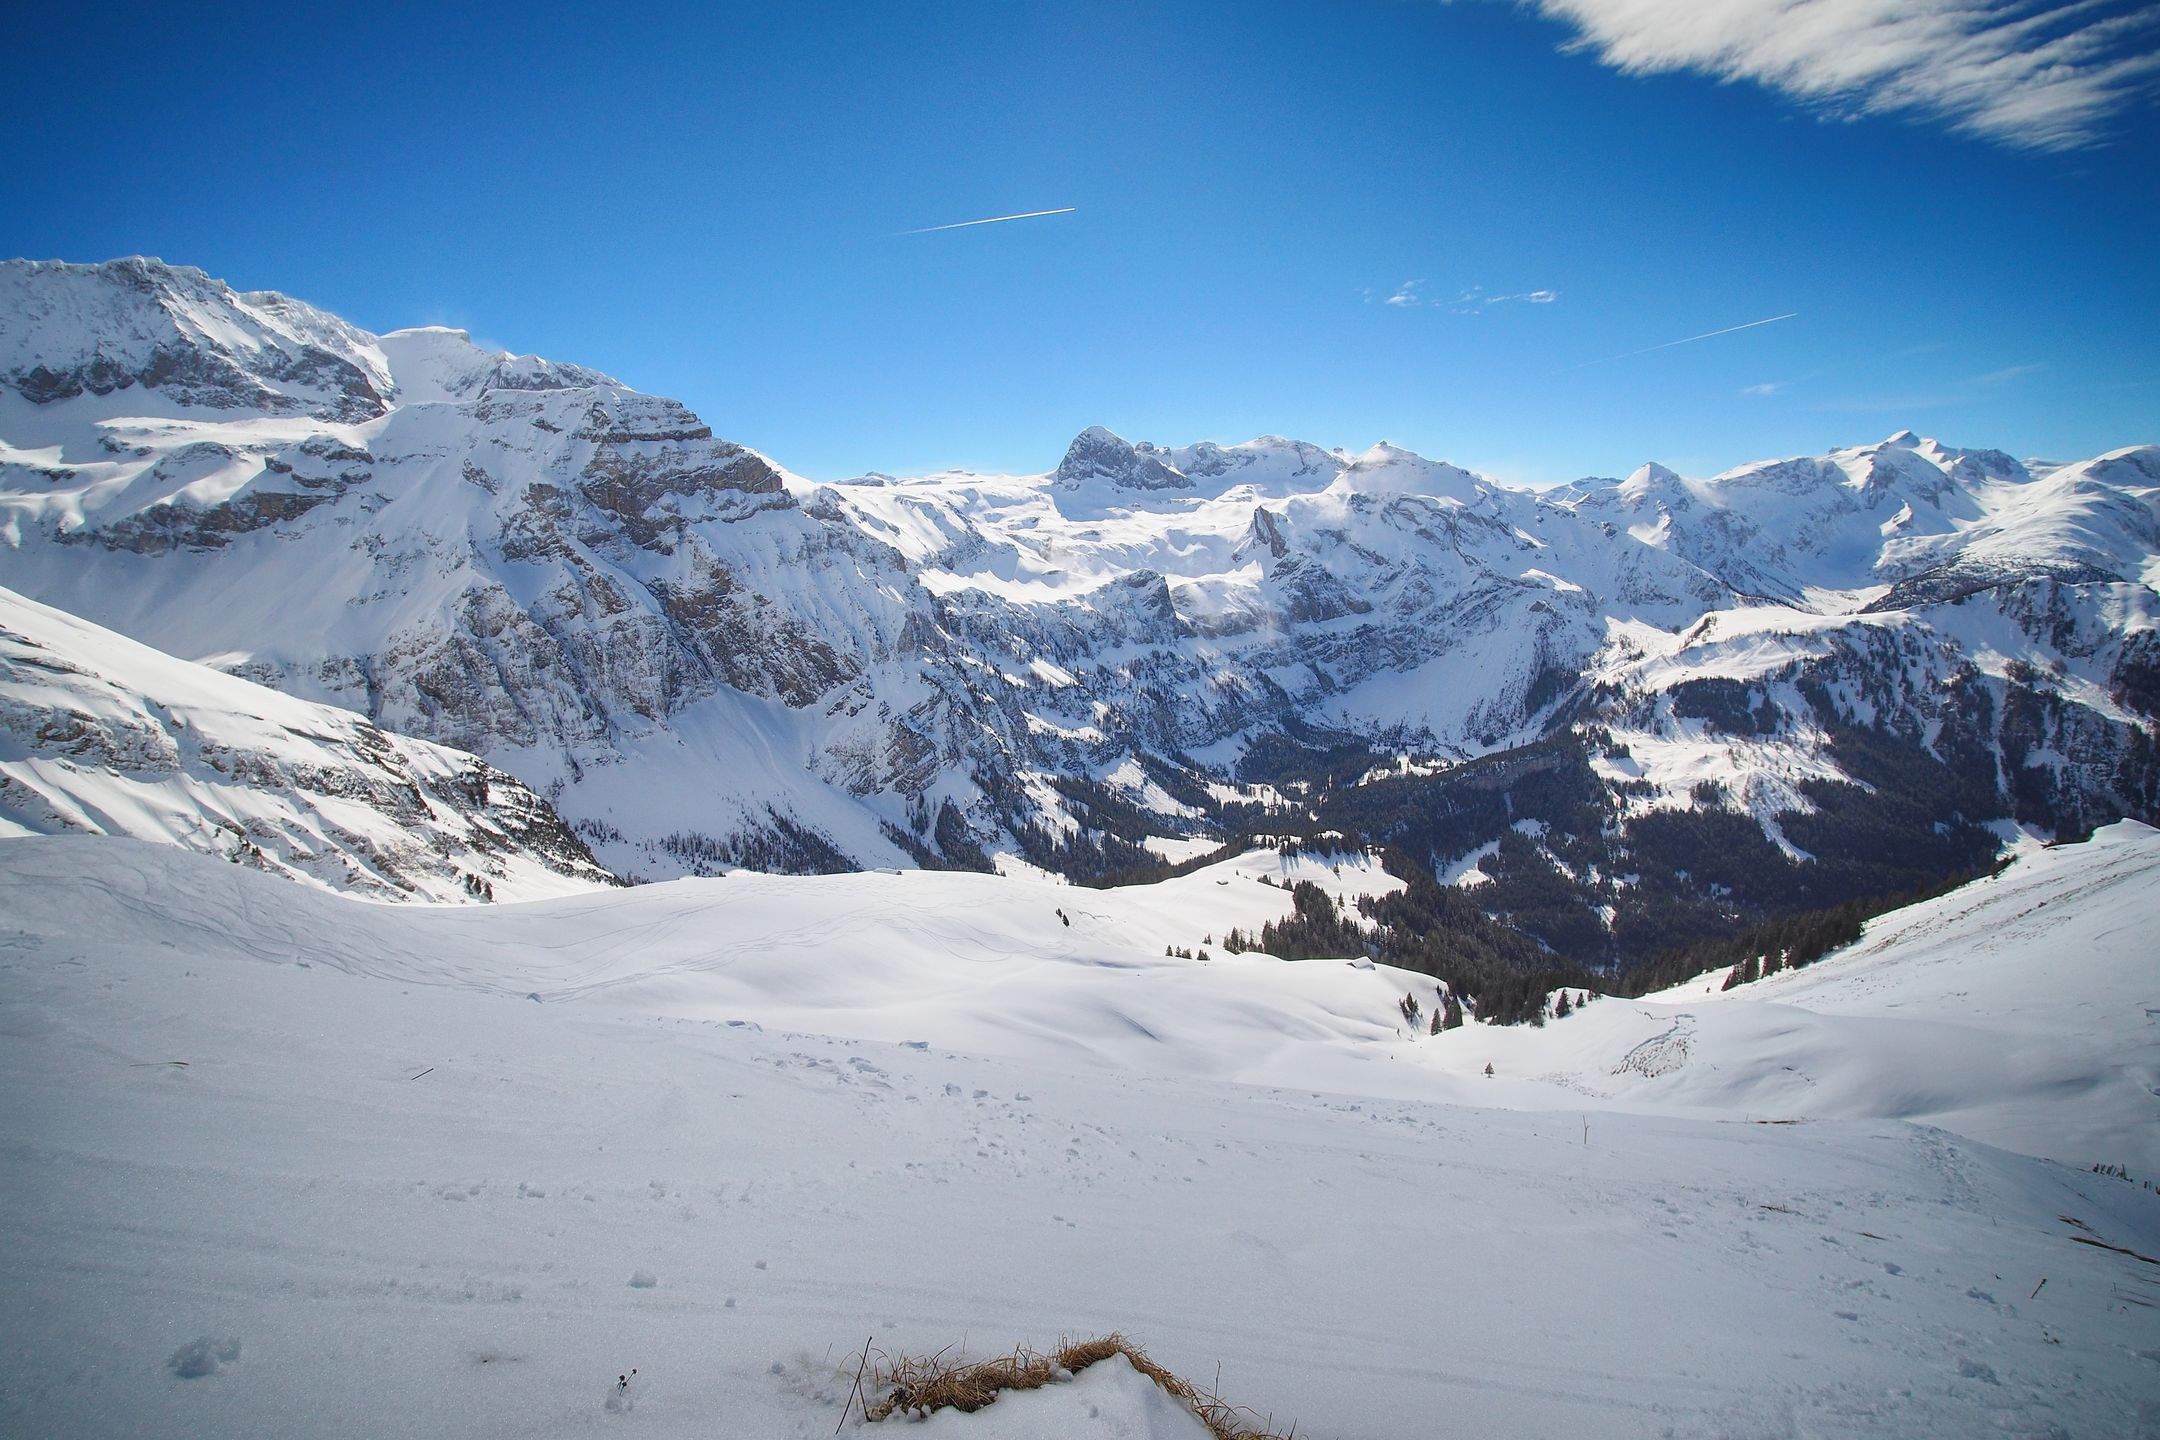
(917, 1385)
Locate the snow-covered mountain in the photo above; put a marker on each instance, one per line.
(101, 735)
(1696, 700)
(521, 558)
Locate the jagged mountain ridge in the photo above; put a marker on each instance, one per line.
(100, 735)
(705, 660)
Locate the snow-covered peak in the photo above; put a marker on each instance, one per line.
(1650, 478)
(2136, 466)
(67, 330)
(433, 363)
(1098, 458)
(1387, 469)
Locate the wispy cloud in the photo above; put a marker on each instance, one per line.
(2037, 74)
(1411, 295)
(1768, 387)
(1470, 301)
(2008, 372)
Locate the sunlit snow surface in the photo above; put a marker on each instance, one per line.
(449, 1171)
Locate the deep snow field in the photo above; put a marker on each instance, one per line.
(449, 1171)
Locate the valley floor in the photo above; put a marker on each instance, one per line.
(341, 1144)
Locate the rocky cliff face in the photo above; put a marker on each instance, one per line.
(705, 660)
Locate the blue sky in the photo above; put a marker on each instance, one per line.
(706, 201)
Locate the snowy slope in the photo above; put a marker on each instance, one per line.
(101, 735)
(1980, 1011)
(2022, 1010)
(979, 962)
(387, 1192)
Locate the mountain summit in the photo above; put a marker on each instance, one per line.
(1098, 457)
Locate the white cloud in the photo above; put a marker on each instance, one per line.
(1406, 294)
(1467, 302)
(1768, 387)
(2040, 74)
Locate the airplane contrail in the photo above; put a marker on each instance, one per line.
(993, 220)
(1706, 335)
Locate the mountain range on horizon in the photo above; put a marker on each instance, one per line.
(1587, 724)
